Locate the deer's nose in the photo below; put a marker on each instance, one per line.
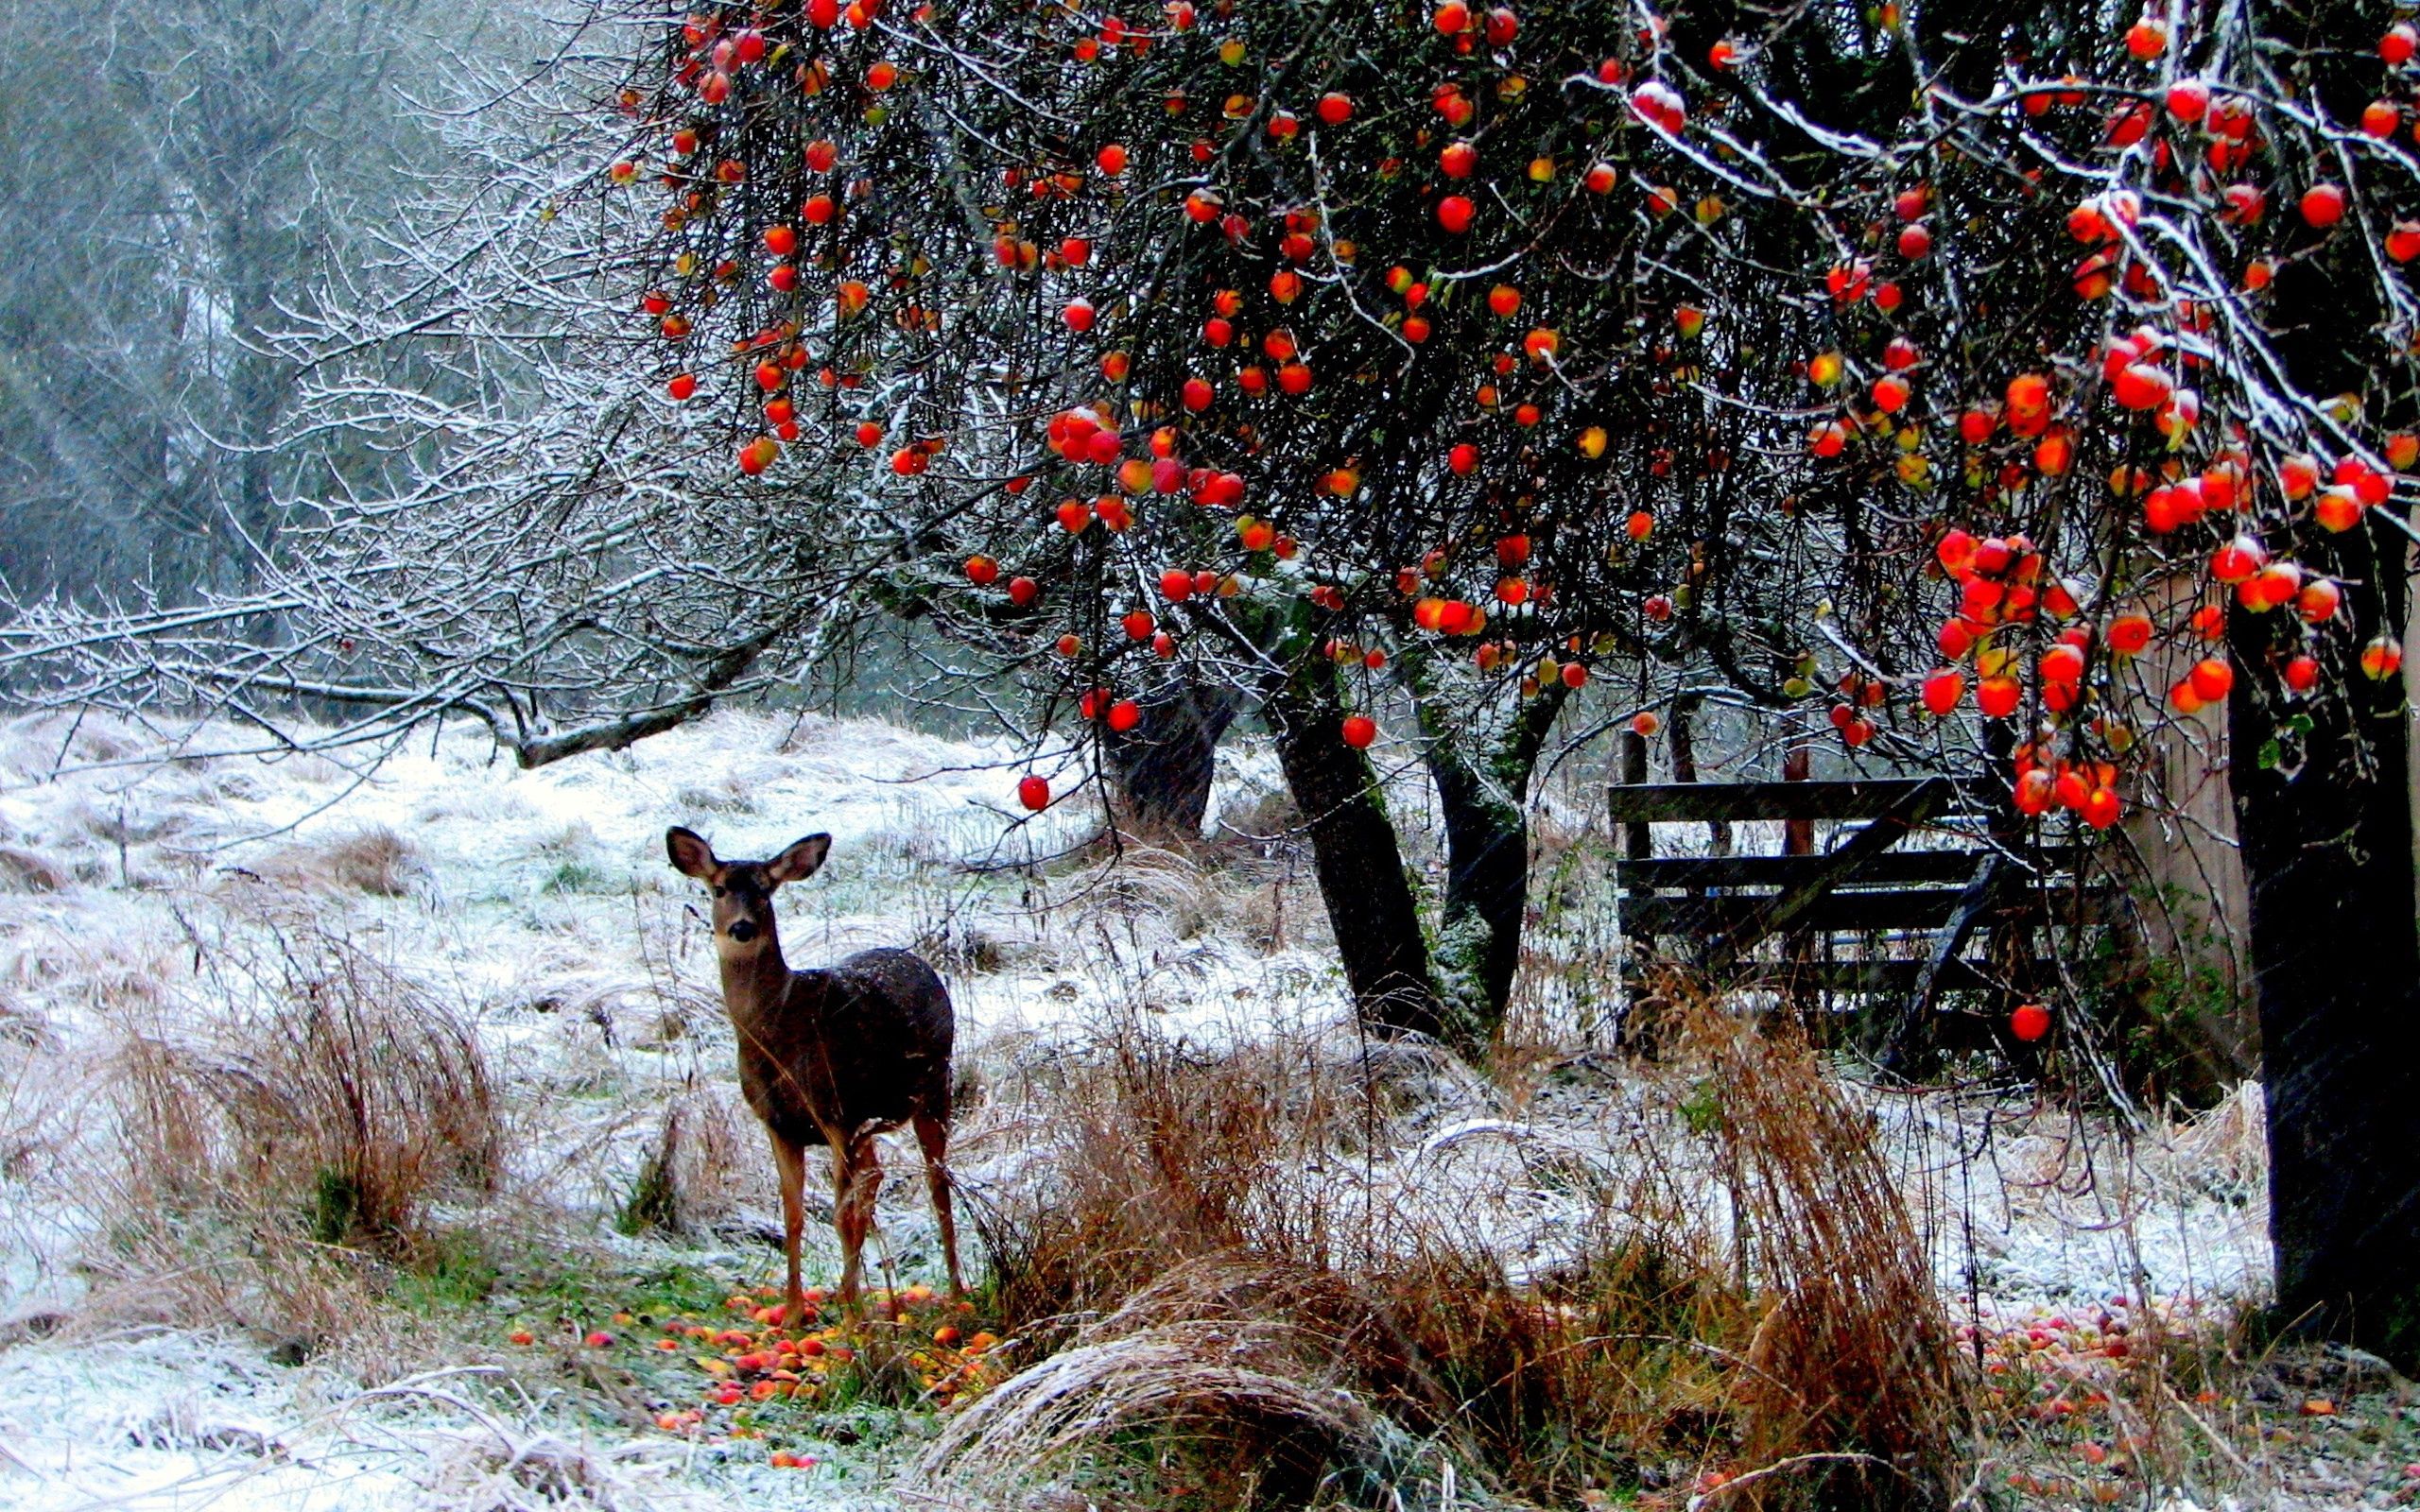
(743, 930)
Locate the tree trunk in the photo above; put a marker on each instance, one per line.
(1681, 741)
(1370, 900)
(1487, 891)
(1163, 765)
(1487, 861)
(2325, 826)
(2325, 821)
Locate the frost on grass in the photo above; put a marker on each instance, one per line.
(535, 910)
(187, 1420)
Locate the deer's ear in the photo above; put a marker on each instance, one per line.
(800, 861)
(691, 855)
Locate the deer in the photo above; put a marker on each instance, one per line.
(830, 1057)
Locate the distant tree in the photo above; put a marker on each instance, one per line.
(515, 522)
(174, 179)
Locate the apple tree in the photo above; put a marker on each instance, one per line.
(2113, 345)
(1997, 355)
(1229, 352)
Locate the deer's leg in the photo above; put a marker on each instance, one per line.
(933, 1134)
(841, 1173)
(859, 1180)
(791, 1160)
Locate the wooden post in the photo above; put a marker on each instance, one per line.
(1639, 840)
(1637, 843)
(1798, 835)
(1797, 839)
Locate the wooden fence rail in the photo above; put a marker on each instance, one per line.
(1885, 916)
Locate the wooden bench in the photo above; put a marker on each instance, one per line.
(1885, 914)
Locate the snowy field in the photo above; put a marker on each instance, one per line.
(538, 907)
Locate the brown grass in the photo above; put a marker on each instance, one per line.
(1242, 1414)
(1237, 1258)
(374, 860)
(1160, 1153)
(1852, 1357)
(29, 872)
(268, 1153)
(21, 1026)
(691, 1171)
(1269, 816)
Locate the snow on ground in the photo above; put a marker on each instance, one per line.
(538, 903)
(176, 1420)
(167, 1419)
(2027, 1205)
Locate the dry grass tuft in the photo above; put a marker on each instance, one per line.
(313, 1125)
(374, 860)
(476, 1459)
(28, 871)
(1234, 1415)
(1160, 1153)
(23, 1026)
(533, 1473)
(1162, 884)
(958, 944)
(1849, 1371)
(1268, 814)
(1272, 1255)
(691, 1174)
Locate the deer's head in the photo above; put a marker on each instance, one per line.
(743, 891)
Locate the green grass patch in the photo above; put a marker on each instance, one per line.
(455, 1273)
(576, 877)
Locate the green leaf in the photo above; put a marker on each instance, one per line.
(2270, 754)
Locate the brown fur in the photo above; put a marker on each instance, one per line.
(831, 1056)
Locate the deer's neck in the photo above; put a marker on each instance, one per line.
(755, 985)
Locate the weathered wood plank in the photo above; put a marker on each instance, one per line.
(1892, 867)
(1886, 911)
(1701, 803)
(1899, 909)
(1890, 977)
(1795, 906)
(1952, 939)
